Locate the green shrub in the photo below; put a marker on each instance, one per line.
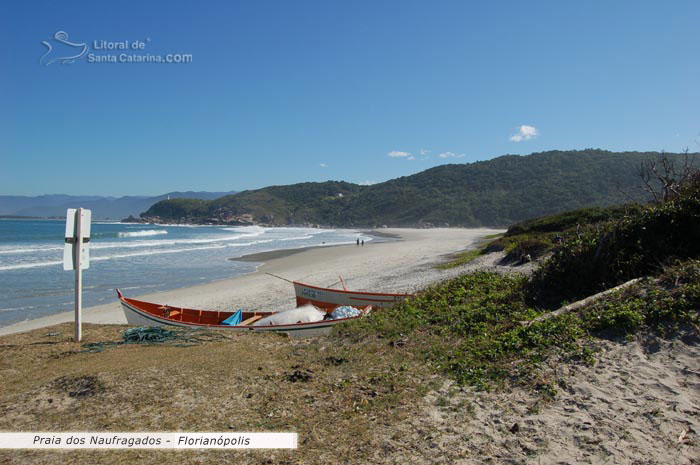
(620, 317)
(495, 246)
(617, 251)
(570, 220)
(536, 237)
(535, 247)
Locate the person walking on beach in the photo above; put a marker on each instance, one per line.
(358, 242)
(363, 242)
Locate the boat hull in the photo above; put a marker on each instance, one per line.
(320, 328)
(139, 317)
(139, 313)
(329, 299)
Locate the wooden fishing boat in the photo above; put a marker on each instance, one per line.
(328, 299)
(142, 313)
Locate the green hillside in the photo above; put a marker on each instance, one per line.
(496, 192)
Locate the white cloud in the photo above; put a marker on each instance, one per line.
(368, 183)
(323, 165)
(424, 151)
(525, 132)
(398, 154)
(411, 158)
(451, 155)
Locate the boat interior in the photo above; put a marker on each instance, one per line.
(189, 315)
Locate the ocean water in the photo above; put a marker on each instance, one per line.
(138, 259)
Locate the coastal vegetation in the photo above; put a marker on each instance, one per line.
(483, 329)
(539, 236)
(604, 254)
(474, 328)
(497, 192)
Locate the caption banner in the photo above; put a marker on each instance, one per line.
(177, 440)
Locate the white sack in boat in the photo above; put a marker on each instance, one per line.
(305, 314)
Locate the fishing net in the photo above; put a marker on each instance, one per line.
(148, 334)
(156, 335)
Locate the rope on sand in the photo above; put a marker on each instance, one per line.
(280, 277)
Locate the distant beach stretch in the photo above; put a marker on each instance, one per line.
(403, 265)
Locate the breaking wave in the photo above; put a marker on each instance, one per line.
(150, 232)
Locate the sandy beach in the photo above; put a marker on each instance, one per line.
(404, 265)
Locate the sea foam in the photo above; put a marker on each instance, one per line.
(149, 232)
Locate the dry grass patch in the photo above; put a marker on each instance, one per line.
(332, 393)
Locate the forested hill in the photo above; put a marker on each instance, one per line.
(496, 192)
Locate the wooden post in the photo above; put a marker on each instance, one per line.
(78, 273)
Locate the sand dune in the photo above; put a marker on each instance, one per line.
(639, 404)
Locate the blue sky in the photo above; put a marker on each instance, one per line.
(285, 92)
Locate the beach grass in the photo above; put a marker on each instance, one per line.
(333, 393)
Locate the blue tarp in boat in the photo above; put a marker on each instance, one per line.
(234, 319)
(345, 312)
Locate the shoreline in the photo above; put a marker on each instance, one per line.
(404, 265)
(261, 257)
(281, 253)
